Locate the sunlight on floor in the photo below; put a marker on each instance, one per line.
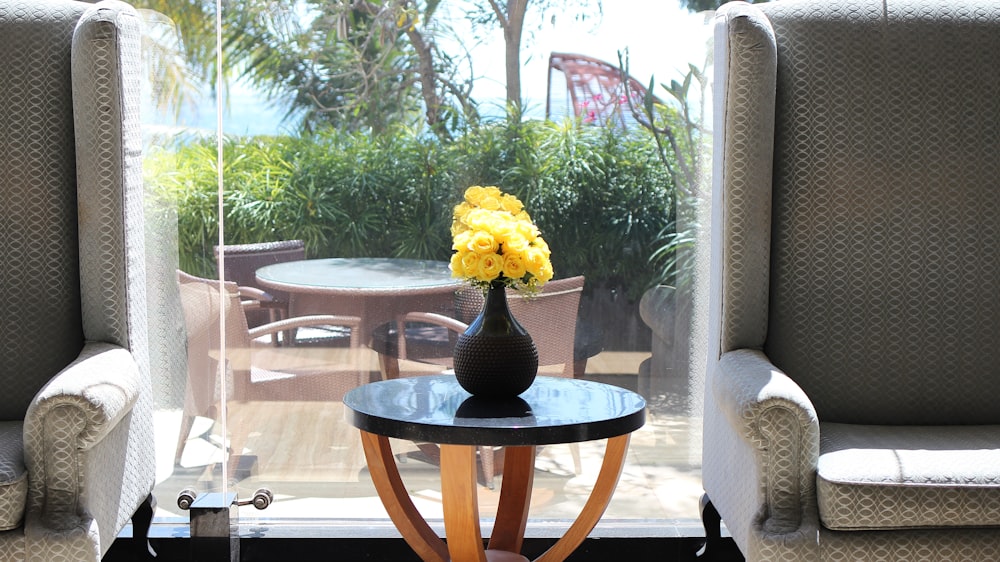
(311, 477)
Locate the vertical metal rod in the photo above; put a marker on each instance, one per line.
(221, 371)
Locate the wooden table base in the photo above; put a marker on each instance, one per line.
(461, 503)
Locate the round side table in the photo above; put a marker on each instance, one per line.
(436, 409)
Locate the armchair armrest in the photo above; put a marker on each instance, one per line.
(434, 318)
(252, 298)
(254, 294)
(392, 343)
(769, 412)
(352, 322)
(73, 413)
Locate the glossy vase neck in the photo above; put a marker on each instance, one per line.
(496, 318)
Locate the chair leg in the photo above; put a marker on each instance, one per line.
(574, 449)
(240, 465)
(712, 522)
(187, 423)
(489, 467)
(142, 520)
(389, 366)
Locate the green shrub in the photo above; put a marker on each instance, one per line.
(600, 196)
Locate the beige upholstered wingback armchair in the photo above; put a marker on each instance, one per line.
(76, 433)
(851, 402)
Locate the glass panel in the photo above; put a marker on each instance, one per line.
(328, 141)
(179, 124)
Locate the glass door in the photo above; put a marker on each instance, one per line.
(301, 197)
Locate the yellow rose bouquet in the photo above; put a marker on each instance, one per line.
(496, 241)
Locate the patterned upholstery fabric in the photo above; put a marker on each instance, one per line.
(874, 477)
(856, 221)
(957, 544)
(106, 93)
(13, 476)
(76, 367)
(887, 210)
(40, 255)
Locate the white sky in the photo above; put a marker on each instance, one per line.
(660, 36)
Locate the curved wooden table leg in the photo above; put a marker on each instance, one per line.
(460, 501)
(515, 497)
(395, 498)
(600, 497)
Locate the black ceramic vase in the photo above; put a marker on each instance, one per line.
(495, 357)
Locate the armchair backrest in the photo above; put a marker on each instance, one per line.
(243, 261)
(861, 203)
(72, 253)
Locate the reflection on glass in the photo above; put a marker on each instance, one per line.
(308, 156)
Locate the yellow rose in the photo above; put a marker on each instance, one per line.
(511, 204)
(470, 263)
(487, 222)
(545, 275)
(490, 203)
(457, 269)
(482, 242)
(515, 243)
(502, 227)
(535, 261)
(461, 210)
(473, 194)
(492, 191)
(527, 229)
(458, 224)
(490, 267)
(461, 240)
(542, 245)
(479, 219)
(476, 194)
(513, 266)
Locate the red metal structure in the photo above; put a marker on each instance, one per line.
(595, 90)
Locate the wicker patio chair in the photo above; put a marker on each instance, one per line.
(241, 264)
(246, 376)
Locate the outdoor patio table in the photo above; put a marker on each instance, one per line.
(436, 409)
(375, 289)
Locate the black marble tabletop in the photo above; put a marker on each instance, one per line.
(438, 410)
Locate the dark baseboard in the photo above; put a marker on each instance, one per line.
(263, 549)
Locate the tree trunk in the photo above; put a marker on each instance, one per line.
(512, 22)
(428, 82)
(512, 42)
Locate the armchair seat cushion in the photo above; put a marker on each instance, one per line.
(903, 477)
(13, 476)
